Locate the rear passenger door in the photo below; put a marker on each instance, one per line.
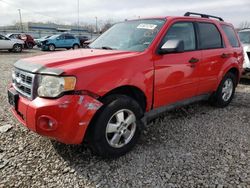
(213, 53)
(69, 40)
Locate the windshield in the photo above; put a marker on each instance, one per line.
(54, 36)
(129, 36)
(245, 37)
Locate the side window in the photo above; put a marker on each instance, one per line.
(209, 36)
(61, 37)
(69, 37)
(182, 31)
(231, 35)
(12, 36)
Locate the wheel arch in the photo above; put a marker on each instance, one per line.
(132, 91)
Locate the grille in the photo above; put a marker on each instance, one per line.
(23, 83)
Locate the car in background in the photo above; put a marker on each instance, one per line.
(67, 41)
(245, 40)
(29, 42)
(38, 41)
(13, 45)
(87, 43)
(82, 39)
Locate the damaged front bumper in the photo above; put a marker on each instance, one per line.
(65, 119)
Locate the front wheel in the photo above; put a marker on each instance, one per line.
(116, 127)
(17, 48)
(225, 92)
(51, 47)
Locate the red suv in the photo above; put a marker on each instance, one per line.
(132, 73)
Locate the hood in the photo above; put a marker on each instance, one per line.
(59, 62)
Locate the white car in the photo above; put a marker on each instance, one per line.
(13, 45)
(245, 39)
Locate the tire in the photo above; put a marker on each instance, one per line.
(51, 47)
(30, 45)
(75, 47)
(225, 92)
(17, 48)
(67, 48)
(110, 136)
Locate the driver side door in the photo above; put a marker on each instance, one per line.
(177, 74)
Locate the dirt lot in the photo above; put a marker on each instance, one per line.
(196, 146)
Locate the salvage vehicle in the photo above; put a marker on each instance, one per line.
(13, 45)
(38, 41)
(135, 71)
(67, 41)
(29, 42)
(82, 39)
(245, 39)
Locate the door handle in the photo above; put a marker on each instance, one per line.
(225, 55)
(194, 60)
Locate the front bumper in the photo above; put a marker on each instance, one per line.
(64, 119)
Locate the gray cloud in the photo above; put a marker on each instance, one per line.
(65, 11)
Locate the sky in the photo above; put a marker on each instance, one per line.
(65, 11)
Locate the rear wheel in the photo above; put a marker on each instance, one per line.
(30, 45)
(51, 47)
(225, 92)
(17, 48)
(75, 46)
(116, 127)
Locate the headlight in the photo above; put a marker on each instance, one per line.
(53, 86)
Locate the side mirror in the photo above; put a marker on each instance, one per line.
(172, 46)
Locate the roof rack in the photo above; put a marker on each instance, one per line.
(203, 15)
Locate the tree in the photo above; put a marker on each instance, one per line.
(245, 24)
(106, 25)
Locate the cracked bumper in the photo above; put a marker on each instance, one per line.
(65, 119)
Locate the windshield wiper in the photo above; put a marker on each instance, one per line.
(107, 48)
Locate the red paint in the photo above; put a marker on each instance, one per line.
(164, 79)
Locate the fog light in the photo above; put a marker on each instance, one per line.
(47, 123)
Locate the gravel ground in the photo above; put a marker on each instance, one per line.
(196, 146)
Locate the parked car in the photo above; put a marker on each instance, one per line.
(132, 73)
(29, 42)
(13, 45)
(67, 41)
(82, 39)
(87, 43)
(245, 39)
(38, 41)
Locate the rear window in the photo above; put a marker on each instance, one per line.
(209, 36)
(231, 35)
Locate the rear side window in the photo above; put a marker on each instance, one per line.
(231, 35)
(209, 36)
(182, 31)
(69, 37)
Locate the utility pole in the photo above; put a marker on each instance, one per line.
(78, 15)
(20, 16)
(96, 28)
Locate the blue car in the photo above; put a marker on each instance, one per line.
(67, 41)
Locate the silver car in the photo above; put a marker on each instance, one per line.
(245, 39)
(13, 45)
